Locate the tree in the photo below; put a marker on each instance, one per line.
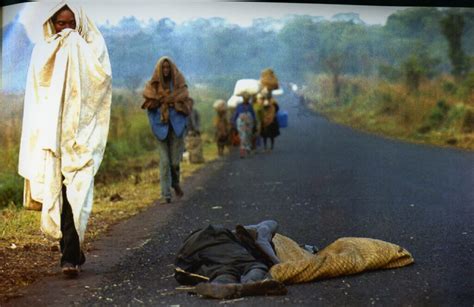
(301, 42)
(418, 66)
(452, 27)
(334, 64)
(413, 73)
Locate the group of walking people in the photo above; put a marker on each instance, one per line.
(252, 122)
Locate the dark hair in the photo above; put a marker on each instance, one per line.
(64, 8)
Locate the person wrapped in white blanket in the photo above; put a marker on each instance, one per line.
(65, 125)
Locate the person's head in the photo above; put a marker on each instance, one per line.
(63, 19)
(259, 99)
(166, 69)
(266, 93)
(246, 98)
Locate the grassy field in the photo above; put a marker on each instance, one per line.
(441, 112)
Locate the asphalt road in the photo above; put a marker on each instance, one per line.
(323, 181)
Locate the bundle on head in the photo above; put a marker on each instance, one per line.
(219, 105)
(268, 79)
(246, 87)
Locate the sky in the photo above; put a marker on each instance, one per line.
(241, 13)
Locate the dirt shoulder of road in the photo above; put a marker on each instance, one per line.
(115, 228)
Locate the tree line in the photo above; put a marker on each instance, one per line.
(414, 43)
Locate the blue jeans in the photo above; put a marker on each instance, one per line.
(170, 150)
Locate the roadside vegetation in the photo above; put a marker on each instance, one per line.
(440, 112)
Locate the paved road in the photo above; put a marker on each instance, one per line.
(323, 181)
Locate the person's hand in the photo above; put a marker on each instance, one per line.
(150, 104)
(169, 99)
(65, 32)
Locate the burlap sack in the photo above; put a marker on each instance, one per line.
(345, 256)
(268, 79)
(194, 147)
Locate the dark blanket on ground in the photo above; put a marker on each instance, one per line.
(213, 251)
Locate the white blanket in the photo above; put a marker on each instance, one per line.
(65, 120)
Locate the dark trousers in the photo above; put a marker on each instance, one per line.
(251, 276)
(70, 245)
(240, 273)
(272, 142)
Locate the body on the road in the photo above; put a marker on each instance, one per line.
(227, 259)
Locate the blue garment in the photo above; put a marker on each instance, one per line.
(160, 130)
(243, 108)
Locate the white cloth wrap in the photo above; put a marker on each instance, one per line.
(66, 121)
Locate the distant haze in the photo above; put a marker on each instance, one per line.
(240, 13)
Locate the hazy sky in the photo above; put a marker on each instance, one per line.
(241, 13)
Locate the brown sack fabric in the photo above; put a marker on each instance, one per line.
(345, 256)
(268, 79)
(157, 96)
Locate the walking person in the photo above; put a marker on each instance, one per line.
(65, 125)
(258, 109)
(270, 127)
(192, 138)
(168, 104)
(221, 126)
(244, 120)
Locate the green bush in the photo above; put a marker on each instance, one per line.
(449, 87)
(388, 104)
(468, 121)
(390, 73)
(11, 190)
(466, 90)
(436, 117)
